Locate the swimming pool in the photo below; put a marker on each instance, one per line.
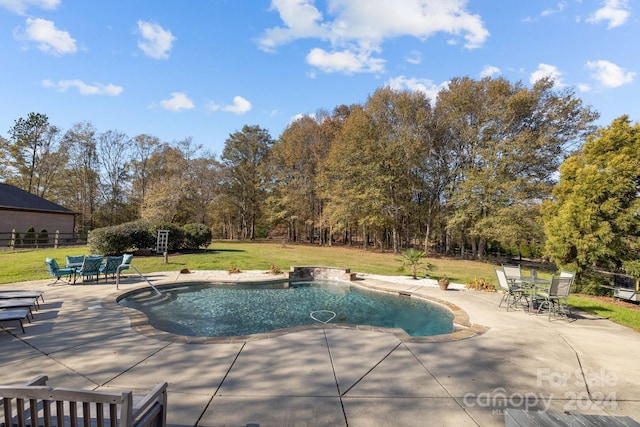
(224, 310)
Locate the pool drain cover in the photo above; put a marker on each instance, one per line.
(322, 316)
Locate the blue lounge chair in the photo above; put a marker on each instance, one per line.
(55, 271)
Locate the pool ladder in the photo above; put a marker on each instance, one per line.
(139, 274)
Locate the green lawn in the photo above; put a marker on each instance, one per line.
(222, 255)
(18, 266)
(609, 310)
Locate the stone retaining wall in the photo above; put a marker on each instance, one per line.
(321, 273)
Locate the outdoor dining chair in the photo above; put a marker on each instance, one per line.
(513, 294)
(90, 267)
(513, 273)
(54, 270)
(556, 297)
(110, 266)
(74, 261)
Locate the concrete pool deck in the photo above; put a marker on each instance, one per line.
(331, 376)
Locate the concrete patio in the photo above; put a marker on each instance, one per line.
(331, 376)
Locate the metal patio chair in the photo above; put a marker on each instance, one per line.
(55, 271)
(513, 273)
(90, 267)
(110, 266)
(513, 294)
(556, 297)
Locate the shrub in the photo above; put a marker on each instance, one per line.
(196, 236)
(274, 269)
(109, 240)
(480, 284)
(592, 283)
(29, 238)
(140, 234)
(43, 237)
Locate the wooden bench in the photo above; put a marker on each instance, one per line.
(35, 404)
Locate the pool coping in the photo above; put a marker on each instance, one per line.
(463, 328)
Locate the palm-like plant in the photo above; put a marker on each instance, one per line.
(415, 259)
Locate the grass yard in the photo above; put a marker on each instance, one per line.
(18, 266)
(619, 311)
(222, 255)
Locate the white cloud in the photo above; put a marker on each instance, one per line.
(358, 28)
(84, 88)
(239, 106)
(559, 8)
(426, 86)
(583, 87)
(156, 42)
(615, 12)
(48, 38)
(415, 58)
(21, 6)
(178, 101)
(546, 70)
(346, 61)
(489, 71)
(609, 74)
(301, 116)
(212, 106)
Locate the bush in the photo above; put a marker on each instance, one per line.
(43, 237)
(480, 284)
(140, 234)
(196, 236)
(109, 240)
(29, 238)
(592, 283)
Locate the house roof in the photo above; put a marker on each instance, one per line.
(14, 198)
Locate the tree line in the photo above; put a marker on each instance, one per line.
(465, 173)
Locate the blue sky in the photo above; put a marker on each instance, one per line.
(205, 68)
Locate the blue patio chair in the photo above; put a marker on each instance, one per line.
(110, 266)
(74, 261)
(55, 271)
(90, 267)
(126, 262)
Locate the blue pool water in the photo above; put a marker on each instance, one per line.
(221, 310)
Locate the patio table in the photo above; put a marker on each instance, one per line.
(531, 284)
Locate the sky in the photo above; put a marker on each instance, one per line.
(203, 69)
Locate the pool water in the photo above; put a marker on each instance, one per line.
(222, 310)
